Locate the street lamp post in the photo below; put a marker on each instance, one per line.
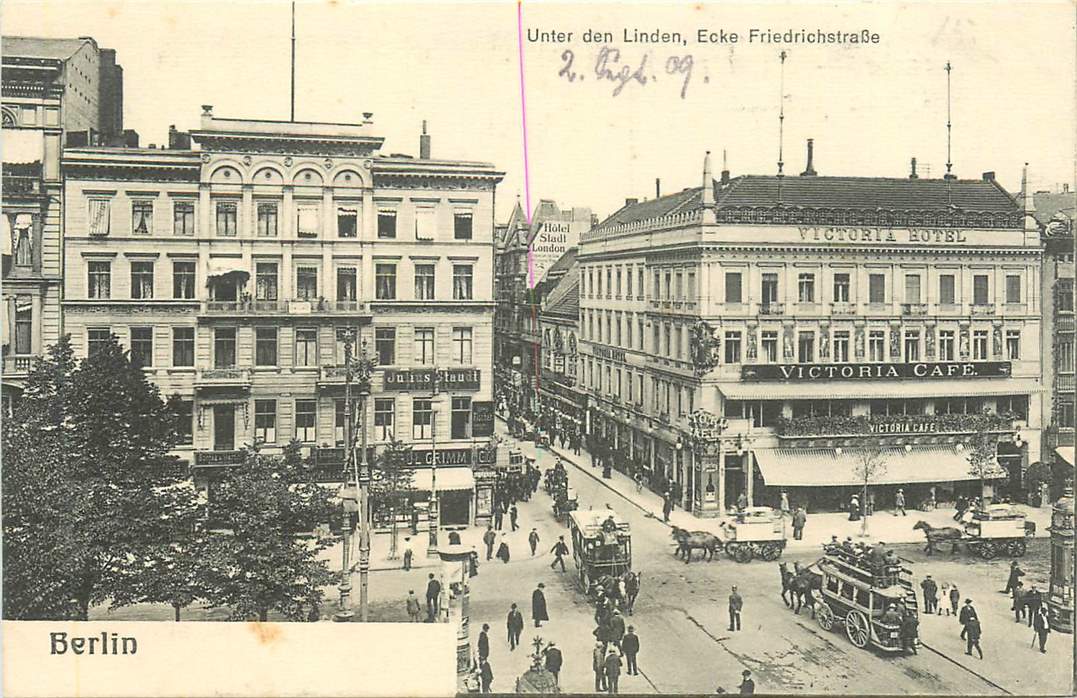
(432, 510)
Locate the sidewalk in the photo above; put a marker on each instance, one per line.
(882, 526)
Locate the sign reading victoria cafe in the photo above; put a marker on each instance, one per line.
(876, 371)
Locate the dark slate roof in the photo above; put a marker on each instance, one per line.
(855, 193)
(563, 263)
(563, 299)
(40, 47)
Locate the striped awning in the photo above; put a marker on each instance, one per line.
(824, 390)
(825, 467)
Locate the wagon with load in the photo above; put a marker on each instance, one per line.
(755, 532)
(998, 529)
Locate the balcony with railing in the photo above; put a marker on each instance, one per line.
(914, 309)
(19, 365)
(223, 378)
(772, 309)
(842, 308)
(1064, 383)
(983, 309)
(315, 306)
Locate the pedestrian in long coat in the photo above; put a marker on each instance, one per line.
(499, 516)
(1033, 601)
(800, 518)
(972, 638)
(533, 541)
(503, 550)
(968, 614)
(630, 646)
(612, 665)
(931, 590)
(854, 508)
(484, 642)
(538, 605)
(514, 623)
(1041, 623)
(1015, 575)
(909, 631)
(899, 503)
(785, 504)
(513, 515)
(554, 661)
(486, 675)
(489, 538)
(667, 506)
(1018, 605)
(955, 598)
(615, 628)
(598, 659)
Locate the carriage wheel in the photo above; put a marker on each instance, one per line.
(857, 629)
(988, 551)
(825, 617)
(742, 552)
(770, 552)
(1016, 547)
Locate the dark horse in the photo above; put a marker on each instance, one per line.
(798, 586)
(937, 536)
(688, 541)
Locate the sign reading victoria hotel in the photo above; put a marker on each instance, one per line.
(879, 371)
(904, 235)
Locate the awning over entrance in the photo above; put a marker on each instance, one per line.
(822, 467)
(449, 479)
(1065, 453)
(824, 390)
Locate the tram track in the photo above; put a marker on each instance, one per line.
(958, 664)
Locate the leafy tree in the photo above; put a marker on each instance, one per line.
(870, 465)
(392, 482)
(89, 490)
(268, 560)
(981, 454)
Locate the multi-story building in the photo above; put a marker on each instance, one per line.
(1055, 212)
(234, 273)
(559, 321)
(525, 252)
(769, 332)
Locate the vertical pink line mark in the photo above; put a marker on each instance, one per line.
(523, 121)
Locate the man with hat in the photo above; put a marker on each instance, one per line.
(615, 628)
(747, 686)
(736, 603)
(598, 659)
(553, 660)
(968, 614)
(538, 605)
(630, 646)
(612, 665)
(899, 502)
(484, 642)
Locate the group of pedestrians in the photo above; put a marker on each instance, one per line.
(1028, 605)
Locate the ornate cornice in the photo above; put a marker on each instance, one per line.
(451, 181)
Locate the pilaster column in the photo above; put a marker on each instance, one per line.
(721, 478)
(749, 477)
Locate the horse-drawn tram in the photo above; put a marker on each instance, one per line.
(755, 532)
(871, 598)
(601, 546)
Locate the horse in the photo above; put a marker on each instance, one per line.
(688, 541)
(935, 536)
(787, 579)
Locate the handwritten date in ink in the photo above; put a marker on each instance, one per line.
(611, 68)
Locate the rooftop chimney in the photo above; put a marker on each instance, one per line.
(631, 202)
(912, 174)
(207, 110)
(988, 176)
(1026, 195)
(657, 188)
(424, 144)
(708, 181)
(809, 171)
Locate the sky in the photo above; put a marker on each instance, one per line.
(868, 107)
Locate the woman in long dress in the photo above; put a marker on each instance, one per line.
(854, 508)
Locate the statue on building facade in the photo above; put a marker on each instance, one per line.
(706, 347)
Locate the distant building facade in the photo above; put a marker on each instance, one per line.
(561, 398)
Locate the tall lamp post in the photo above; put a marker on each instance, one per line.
(432, 510)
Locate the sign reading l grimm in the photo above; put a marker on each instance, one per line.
(422, 379)
(881, 371)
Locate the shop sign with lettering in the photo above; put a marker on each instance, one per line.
(611, 353)
(482, 418)
(879, 371)
(445, 456)
(926, 236)
(422, 379)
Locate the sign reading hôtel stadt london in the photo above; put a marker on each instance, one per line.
(880, 371)
(422, 379)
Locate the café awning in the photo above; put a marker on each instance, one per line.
(1065, 453)
(823, 390)
(825, 467)
(448, 480)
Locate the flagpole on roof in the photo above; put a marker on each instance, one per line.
(293, 62)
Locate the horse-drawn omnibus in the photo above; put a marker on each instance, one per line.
(857, 595)
(601, 546)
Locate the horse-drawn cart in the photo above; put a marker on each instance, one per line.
(993, 530)
(601, 545)
(755, 532)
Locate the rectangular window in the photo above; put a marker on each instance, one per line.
(979, 345)
(462, 287)
(385, 345)
(306, 419)
(100, 279)
(142, 218)
(96, 339)
(876, 288)
(461, 345)
(142, 280)
(1064, 295)
(184, 422)
(769, 289)
(691, 289)
(877, 345)
(668, 287)
(385, 282)
(422, 417)
(347, 284)
(667, 345)
(912, 346)
(841, 347)
(265, 281)
(308, 220)
(306, 346)
(340, 420)
(142, 345)
(424, 346)
(384, 412)
(424, 282)
(99, 216)
(770, 346)
(678, 286)
(267, 220)
(183, 218)
(841, 288)
(946, 345)
(1064, 356)
(629, 286)
(425, 223)
(656, 343)
(628, 344)
(640, 336)
(806, 347)
(640, 282)
(182, 347)
(656, 291)
(386, 224)
(183, 276)
(946, 289)
(347, 222)
(265, 346)
(980, 294)
(227, 219)
(912, 288)
(732, 287)
(732, 347)
(344, 335)
(1013, 288)
(806, 288)
(24, 325)
(618, 286)
(1013, 345)
(462, 225)
(306, 283)
(265, 421)
(224, 347)
(461, 418)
